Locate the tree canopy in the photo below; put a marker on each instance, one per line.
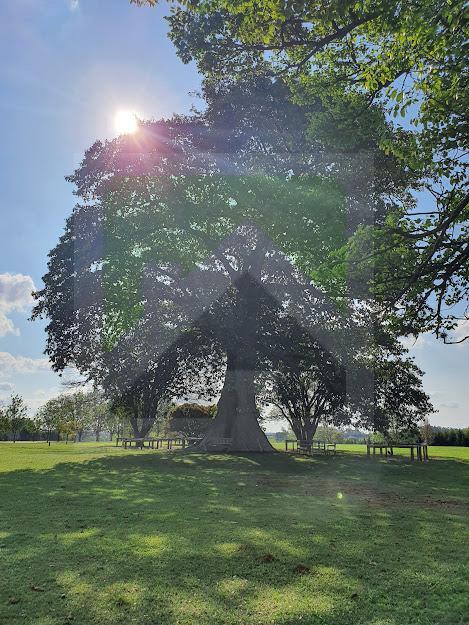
(342, 61)
(195, 244)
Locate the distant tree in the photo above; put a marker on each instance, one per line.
(113, 422)
(4, 422)
(190, 420)
(307, 396)
(400, 401)
(32, 427)
(46, 419)
(15, 413)
(426, 431)
(57, 414)
(75, 408)
(329, 434)
(283, 434)
(98, 412)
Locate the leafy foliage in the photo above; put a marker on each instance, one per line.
(341, 59)
(191, 420)
(15, 415)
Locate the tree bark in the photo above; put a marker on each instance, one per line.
(236, 426)
(140, 431)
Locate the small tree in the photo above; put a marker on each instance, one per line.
(99, 418)
(16, 412)
(426, 432)
(77, 404)
(57, 414)
(330, 434)
(113, 422)
(46, 419)
(4, 423)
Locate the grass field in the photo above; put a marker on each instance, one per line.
(93, 534)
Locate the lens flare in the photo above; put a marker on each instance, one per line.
(126, 122)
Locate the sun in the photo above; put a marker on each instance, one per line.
(126, 122)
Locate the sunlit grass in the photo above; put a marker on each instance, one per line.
(92, 534)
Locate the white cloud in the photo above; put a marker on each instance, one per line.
(449, 404)
(15, 295)
(10, 364)
(74, 5)
(7, 325)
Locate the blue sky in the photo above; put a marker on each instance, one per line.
(68, 66)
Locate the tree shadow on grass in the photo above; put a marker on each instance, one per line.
(191, 538)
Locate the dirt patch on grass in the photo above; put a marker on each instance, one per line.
(379, 498)
(359, 492)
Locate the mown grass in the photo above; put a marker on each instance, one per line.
(93, 534)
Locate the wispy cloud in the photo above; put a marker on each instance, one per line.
(74, 5)
(449, 404)
(15, 295)
(12, 365)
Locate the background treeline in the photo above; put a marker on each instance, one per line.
(434, 435)
(86, 415)
(450, 436)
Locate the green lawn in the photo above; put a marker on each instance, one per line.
(93, 534)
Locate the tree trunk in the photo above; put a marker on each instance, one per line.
(140, 431)
(304, 434)
(236, 426)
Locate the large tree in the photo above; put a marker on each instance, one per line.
(204, 231)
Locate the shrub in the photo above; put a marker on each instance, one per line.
(191, 420)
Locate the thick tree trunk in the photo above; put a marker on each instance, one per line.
(236, 426)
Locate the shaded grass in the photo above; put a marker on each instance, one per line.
(93, 534)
